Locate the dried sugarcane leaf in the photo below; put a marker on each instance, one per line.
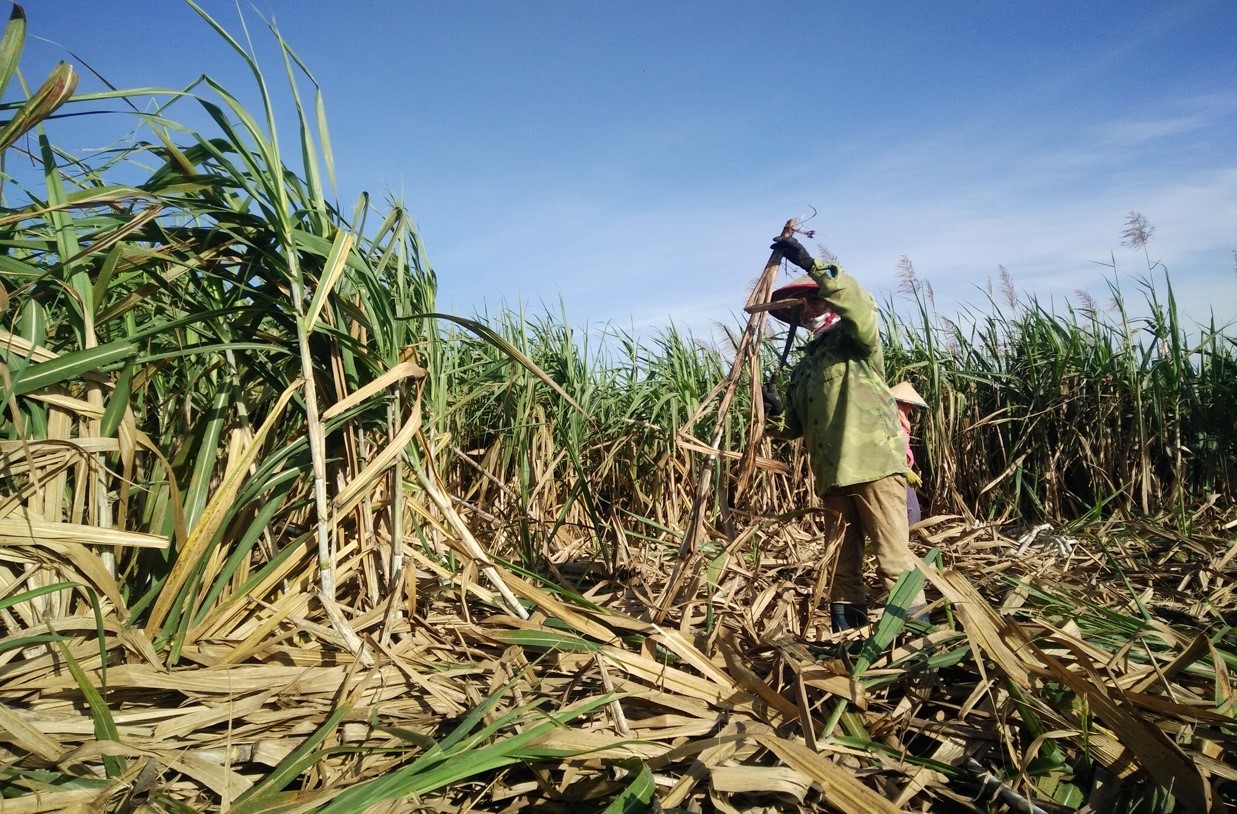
(212, 517)
(989, 634)
(1158, 755)
(51, 802)
(842, 790)
(360, 486)
(21, 528)
(723, 748)
(28, 737)
(751, 682)
(761, 779)
(671, 680)
(842, 686)
(601, 745)
(402, 371)
(212, 775)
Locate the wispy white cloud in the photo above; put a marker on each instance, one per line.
(1137, 132)
(1196, 115)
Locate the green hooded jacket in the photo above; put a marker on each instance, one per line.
(837, 399)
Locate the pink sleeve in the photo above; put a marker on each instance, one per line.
(906, 430)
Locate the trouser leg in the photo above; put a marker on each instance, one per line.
(847, 584)
(913, 511)
(881, 509)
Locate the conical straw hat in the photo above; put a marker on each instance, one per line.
(906, 392)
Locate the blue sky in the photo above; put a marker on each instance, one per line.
(633, 158)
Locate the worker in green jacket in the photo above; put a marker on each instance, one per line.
(838, 402)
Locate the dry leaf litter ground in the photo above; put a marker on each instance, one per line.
(1093, 648)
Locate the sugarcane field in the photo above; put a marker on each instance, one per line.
(279, 533)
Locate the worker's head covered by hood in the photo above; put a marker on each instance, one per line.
(804, 306)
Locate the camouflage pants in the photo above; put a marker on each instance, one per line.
(875, 510)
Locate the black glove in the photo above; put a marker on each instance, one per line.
(793, 251)
(773, 402)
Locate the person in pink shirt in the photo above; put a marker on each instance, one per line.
(908, 398)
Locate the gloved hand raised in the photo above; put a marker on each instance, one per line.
(773, 402)
(793, 251)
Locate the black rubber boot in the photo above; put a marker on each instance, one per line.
(847, 615)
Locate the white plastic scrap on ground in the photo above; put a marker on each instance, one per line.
(1041, 537)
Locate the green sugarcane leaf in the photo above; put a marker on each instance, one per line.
(11, 46)
(26, 596)
(546, 640)
(22, 642)
(299, 759)
(638, 795)
(892, 620)
(104, 724)
(117, 403)
(70, 367)
(506, 347)
(466, 758)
